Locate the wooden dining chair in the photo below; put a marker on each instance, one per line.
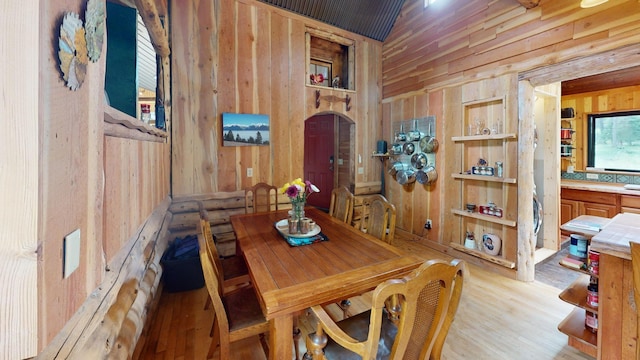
(261, 197)
(341, 206)
(378, 217)
(429, 299)
(635, 266)
(237, 314)
(231, 271)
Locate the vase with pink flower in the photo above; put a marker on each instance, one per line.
(298, 191)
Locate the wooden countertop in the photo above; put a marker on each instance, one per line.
(615, 236)
(615, 188)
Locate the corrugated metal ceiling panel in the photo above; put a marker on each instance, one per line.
(373, 19)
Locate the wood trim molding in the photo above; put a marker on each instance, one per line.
(622, 58)
(119, 124)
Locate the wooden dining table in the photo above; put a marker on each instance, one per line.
(289, 279)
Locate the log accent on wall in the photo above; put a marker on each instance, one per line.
(113, 316)
(220, 207)
(607, 61)
(159, 35)
(119, 124)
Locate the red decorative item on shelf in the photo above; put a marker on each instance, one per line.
(316, 78)
(490, 209)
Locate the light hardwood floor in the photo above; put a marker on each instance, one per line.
(498, 318)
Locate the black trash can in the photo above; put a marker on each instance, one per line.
(182, 270)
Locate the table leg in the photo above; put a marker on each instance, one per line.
(280, 339)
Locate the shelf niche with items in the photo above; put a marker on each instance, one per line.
(330, 60)
(567, 145)
(487, 181)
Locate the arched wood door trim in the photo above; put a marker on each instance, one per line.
(342, 145)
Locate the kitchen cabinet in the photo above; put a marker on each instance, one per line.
(601, 210)
(585, 202)
(630, 204)
(568, 210)
(487, 180)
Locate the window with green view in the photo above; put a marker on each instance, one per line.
(614, 141)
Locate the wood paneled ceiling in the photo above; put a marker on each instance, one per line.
(604, 81)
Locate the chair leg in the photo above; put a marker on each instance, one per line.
(315, 345)
(638, 332)
(296, 337)
(215, 339)
(265, 344)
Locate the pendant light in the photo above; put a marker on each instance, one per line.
(591, 3)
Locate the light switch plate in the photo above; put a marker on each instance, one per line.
(71, 253)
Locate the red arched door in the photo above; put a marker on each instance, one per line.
(319, 161)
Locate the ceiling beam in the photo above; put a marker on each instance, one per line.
(529, 4)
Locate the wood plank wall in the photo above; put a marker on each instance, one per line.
(619, 99)
(106, 187)
(432, 52)
(247, 57)
(142, 180)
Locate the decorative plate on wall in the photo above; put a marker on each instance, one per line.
(72, 51)
(94, 25)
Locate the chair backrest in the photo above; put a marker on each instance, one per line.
(210, 247)
(428, 299)
(259, 198)
(378, 217)
(341, 206)
(214, 288)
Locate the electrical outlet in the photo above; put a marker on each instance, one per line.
(428, 224)
(592, 176)
(249, 172)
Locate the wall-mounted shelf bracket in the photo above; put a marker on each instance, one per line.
(332, 99)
